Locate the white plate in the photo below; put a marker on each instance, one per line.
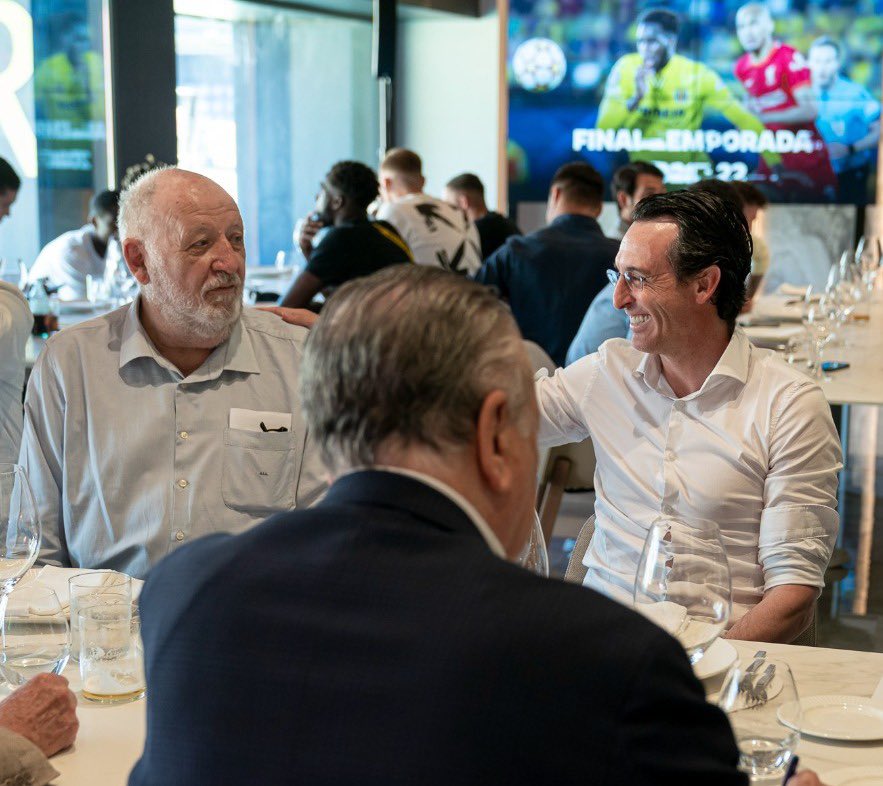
(851, 718)
(854, 776)
(717, 659)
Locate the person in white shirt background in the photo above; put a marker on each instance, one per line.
(437, 233)
(88, 251)
(689, 421)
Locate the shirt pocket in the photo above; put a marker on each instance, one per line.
(260, 471)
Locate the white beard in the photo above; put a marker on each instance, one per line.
(207, 319)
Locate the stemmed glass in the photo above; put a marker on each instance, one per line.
(760, 697)
(683, 582)
(817, 320)
(535, 556)
(20, 530)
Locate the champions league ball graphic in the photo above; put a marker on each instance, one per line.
(539, 65)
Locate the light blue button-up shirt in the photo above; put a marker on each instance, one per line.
(845, 113)
(128, 459)
(602, 321)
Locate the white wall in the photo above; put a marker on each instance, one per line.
(447, 102)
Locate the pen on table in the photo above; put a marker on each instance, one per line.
(792, 768)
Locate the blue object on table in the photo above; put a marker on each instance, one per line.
(792, 768)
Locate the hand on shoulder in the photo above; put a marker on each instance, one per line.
(293, 316)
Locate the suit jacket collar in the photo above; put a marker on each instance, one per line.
(400, 492)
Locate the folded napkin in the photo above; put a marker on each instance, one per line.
(57, 580)
(792, 290)
(773, 335)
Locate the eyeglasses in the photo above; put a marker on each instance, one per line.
(634, 281)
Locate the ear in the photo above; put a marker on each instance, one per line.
(622, 200)
(706, 283)
(135, 256)
(463, 202)
(494, 443)
(93, 220)
(422, 182)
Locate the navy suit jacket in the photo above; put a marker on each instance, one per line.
(375, 640)
(551, 277)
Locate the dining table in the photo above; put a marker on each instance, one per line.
(111, 738)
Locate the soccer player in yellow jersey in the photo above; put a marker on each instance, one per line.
(656, 90)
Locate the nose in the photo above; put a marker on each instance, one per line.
(622, 295)
(227, 257)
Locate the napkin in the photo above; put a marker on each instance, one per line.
(792, 290)
(57, 580)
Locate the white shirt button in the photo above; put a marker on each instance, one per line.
(183, 483)
(668, 510)
(678, 406)
(183, 435)
(669, 455)
(179, 536)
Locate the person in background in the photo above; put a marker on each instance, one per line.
(177, 415)
(753, 201)
(690, 421)
(466, 192)
(550, 277)
(10, 183)
(16, 322)
(631, 183)
(36, 721)
(848, 120)
(354, 246)
(388, 620)
(88, 251)
(437, 233)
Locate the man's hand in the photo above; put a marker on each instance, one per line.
(43, 711)
(805, 778)
(308, 231)
(294, 316)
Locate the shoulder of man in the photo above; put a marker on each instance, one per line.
(268, 324)
(63, 346)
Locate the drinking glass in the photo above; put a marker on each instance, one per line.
(95, 588)
(20, 531)
(754, 698)
(535, 556)
(111, 662)
(34, 635)
(817, 322)
(683, 582)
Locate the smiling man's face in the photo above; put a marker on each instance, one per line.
(662, 313)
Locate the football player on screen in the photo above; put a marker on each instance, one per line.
(779, 86)
(656, 90)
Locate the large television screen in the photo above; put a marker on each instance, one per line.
(784, 94)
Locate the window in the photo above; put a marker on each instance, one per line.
(268, 100)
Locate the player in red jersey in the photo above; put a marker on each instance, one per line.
(779, 86)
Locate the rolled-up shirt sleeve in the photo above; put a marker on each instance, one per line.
(42, 451)
(561, 418)
(799, 523)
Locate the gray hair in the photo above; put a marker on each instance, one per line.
(406, 357)
(135, 220)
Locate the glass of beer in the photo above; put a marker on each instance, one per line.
(111, 662)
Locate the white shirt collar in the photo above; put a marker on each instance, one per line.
(458, 499)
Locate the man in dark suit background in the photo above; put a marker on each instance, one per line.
(382, 636)
(551, 276)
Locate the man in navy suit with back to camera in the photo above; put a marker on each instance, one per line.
(383, 636)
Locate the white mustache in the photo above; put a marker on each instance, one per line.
(222, 279)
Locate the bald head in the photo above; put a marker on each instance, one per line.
(754, 27)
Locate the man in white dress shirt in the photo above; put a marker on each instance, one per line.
(178, 415)
(690, 421)
(87, 251)
(437, 233)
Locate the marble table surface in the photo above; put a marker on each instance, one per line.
(819, 671)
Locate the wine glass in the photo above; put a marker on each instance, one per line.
(760, 698)
(20, 531)
(683, 582)
(817, 322)
(34, 635)
(535, 556)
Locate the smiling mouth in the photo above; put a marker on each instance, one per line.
(638, 319)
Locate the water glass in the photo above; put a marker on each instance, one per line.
(683, 582)
(111, 662)
(535, 556)
(96, 588)
(34, 636)
(754, 697)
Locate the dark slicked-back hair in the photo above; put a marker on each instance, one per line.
(580, 183)
(105, 202)
(711, 231)
(726, 191)
(751, 194)
(626, 177)
(467, 182)
(9, 180)
(667, 20)
(355, 181)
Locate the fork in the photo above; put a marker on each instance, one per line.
(745, 682)
(757, 693)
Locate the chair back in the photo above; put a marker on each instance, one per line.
(576, 571)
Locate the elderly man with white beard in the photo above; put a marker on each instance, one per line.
(175, 416)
